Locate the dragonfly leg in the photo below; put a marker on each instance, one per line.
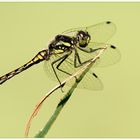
(89, 50)
(77, 57)
(62, 59)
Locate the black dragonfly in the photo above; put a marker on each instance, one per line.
(73, 48)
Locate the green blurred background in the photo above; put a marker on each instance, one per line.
(26, 28)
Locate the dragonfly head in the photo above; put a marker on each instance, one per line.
(83, 38)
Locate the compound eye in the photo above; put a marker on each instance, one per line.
(79, 35)
(88, 39)
(83, 38)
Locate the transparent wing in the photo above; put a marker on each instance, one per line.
(67, 66)
(100, 32)
(73, 31)
(90, 81)
(110, 56)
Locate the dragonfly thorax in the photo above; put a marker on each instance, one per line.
(83, 38)
(61, 43)
(64, 38)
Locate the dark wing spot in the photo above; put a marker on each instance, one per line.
(95, 75)
(108, 22)
(113, 47)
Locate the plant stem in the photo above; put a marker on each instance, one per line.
(44, 131)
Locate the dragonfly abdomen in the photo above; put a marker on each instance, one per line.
(42, 55)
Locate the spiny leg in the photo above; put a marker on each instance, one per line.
(89, 50)
(59, 64)
(52, 64)
(77, 57)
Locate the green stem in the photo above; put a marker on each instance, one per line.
(61, 104)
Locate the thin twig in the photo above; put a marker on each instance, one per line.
(81, 72)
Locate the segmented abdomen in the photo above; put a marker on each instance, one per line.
(42, 55)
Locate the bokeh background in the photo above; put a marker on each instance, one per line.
(26, 28)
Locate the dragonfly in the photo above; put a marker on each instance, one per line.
(71, 50)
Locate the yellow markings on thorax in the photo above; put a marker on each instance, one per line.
(63, 43)
(67, 44)
(58, 51)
